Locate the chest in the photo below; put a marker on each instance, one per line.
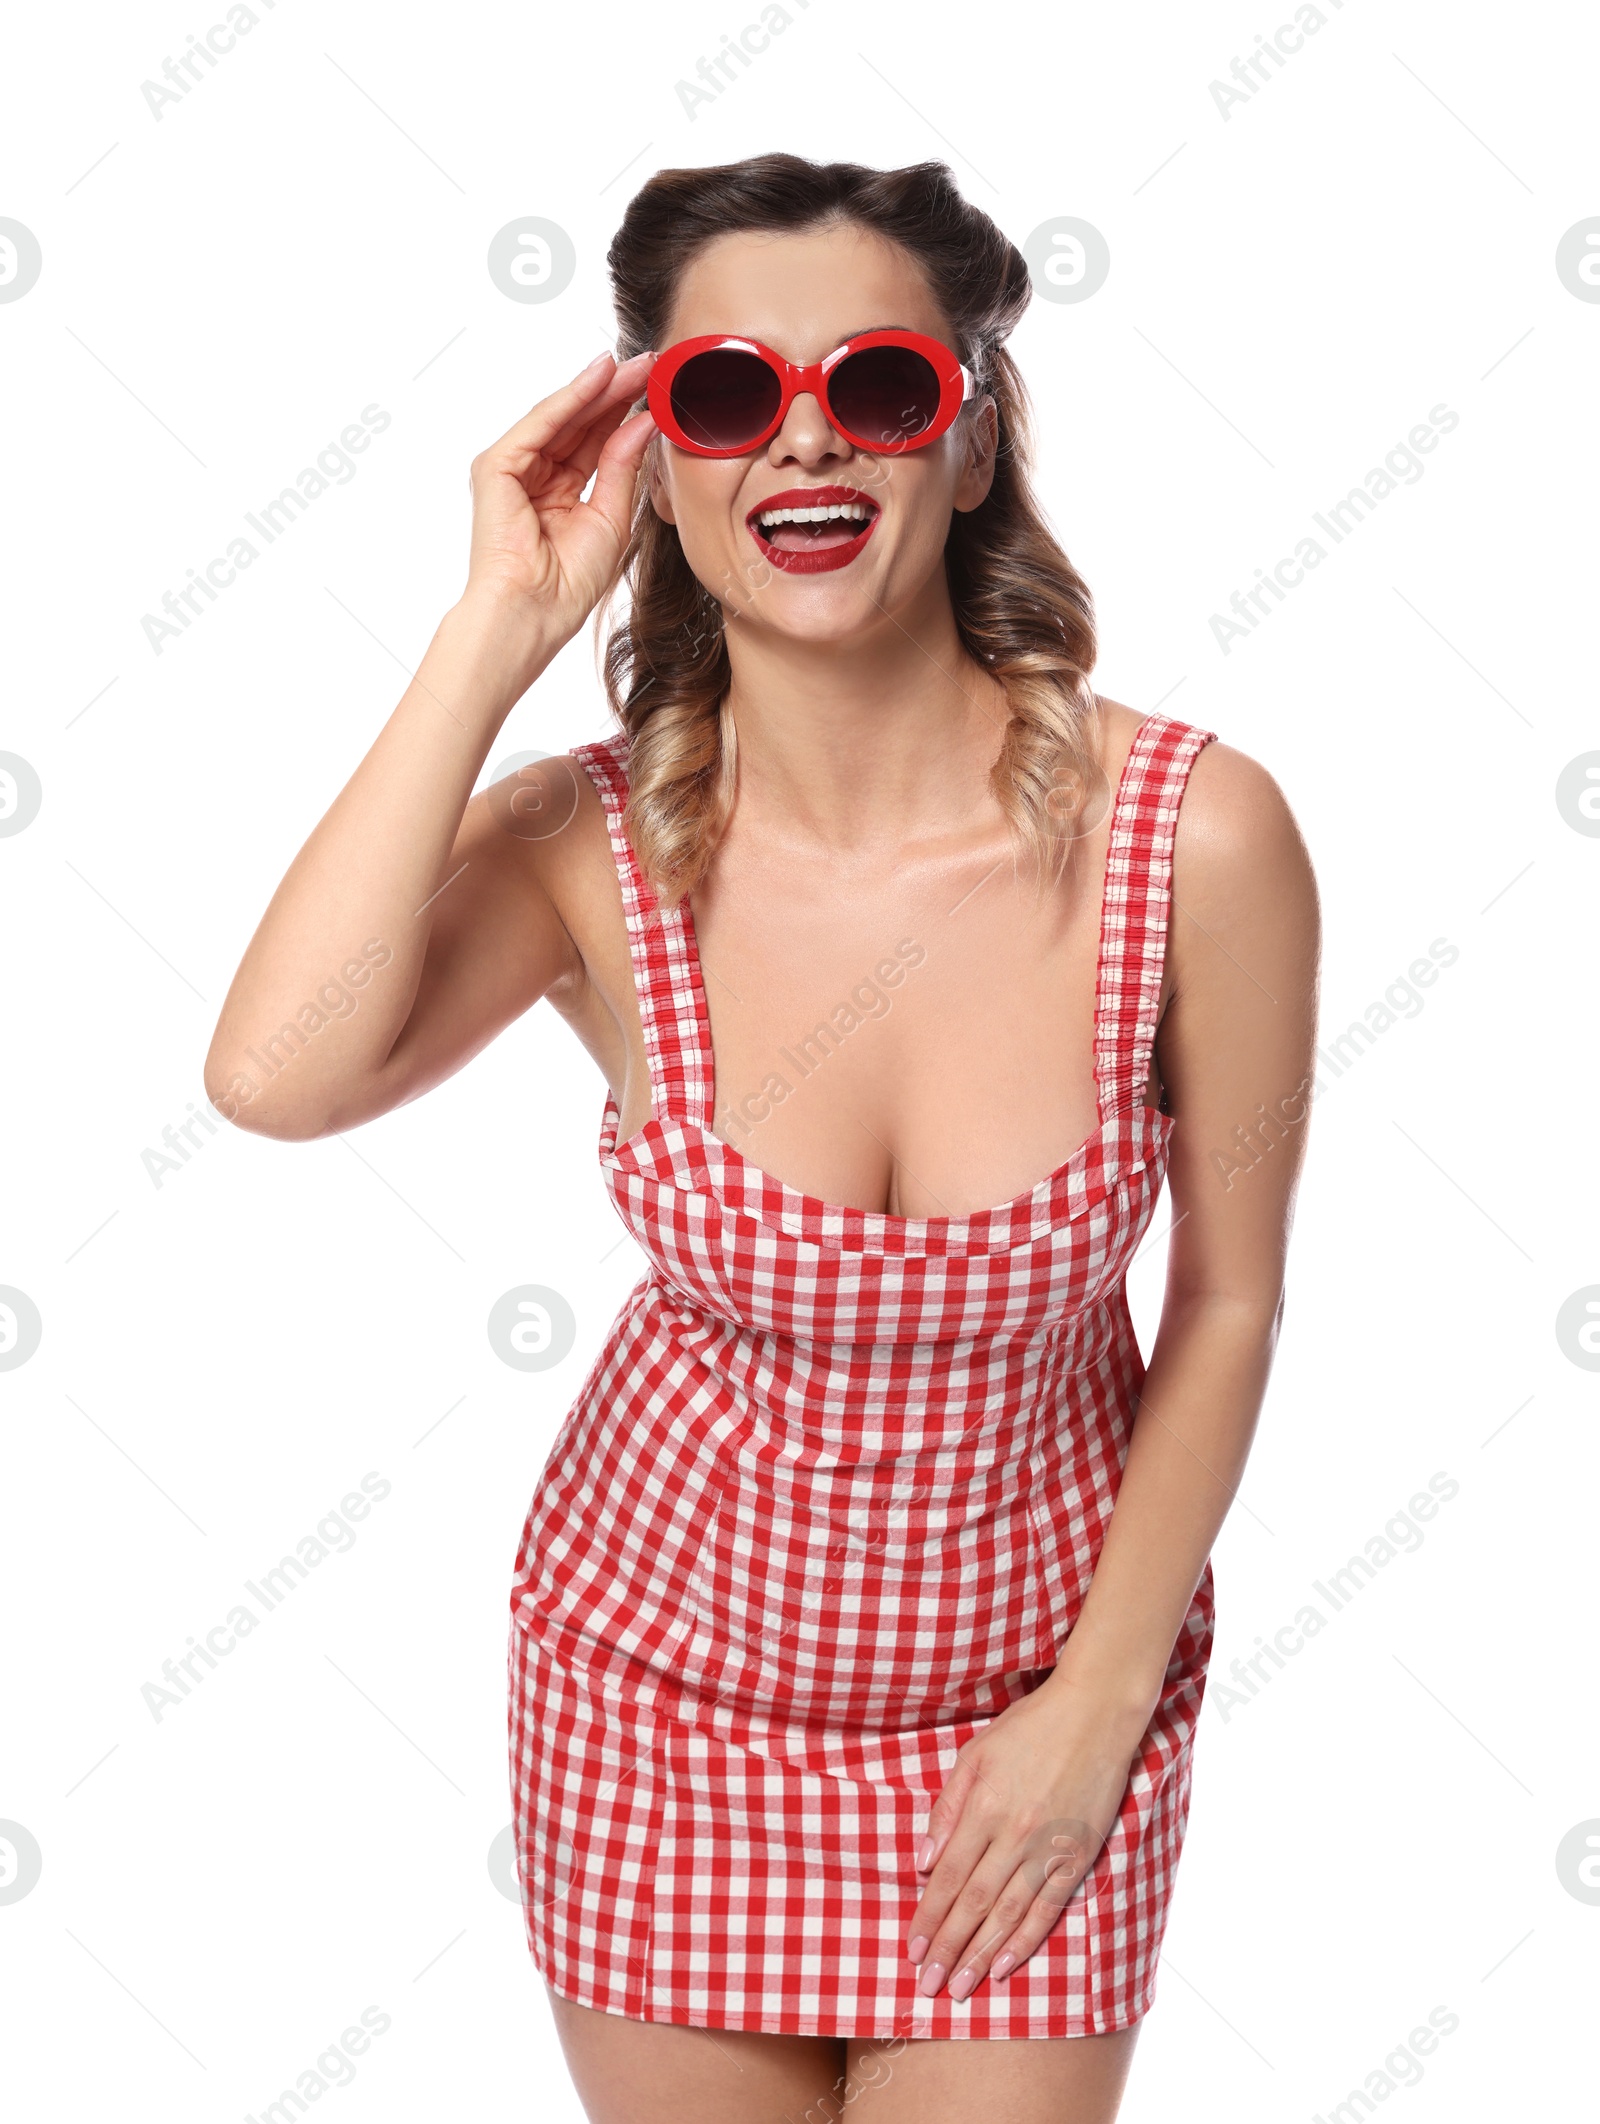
(917, 1039)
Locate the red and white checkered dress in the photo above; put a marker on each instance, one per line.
(829, 1499)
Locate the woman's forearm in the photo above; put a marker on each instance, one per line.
(357, 894)
(1192, 1432)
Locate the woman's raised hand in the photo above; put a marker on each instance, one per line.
(539, 552)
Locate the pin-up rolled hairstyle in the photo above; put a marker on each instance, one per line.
(1021, 608)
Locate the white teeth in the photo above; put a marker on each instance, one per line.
(855, 511)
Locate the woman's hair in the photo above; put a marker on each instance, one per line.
(1021, 609)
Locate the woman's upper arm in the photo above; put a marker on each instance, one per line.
(1237, 1043)
(497, 944)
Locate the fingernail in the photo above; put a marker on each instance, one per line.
(925, 1854)
(932, 1977)
(962, 1982)
(918, 1948)
(595, 364)
(1004, 1964)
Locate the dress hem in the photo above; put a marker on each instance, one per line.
(1057, 2027)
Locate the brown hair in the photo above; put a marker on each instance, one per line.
(1021, 608)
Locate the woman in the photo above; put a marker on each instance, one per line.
(851, 1731)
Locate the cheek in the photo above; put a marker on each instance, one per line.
(919, 492)
(921, 523)
(701, 498)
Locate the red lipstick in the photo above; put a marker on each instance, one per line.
(834, 547)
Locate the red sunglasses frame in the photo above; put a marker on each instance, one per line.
(956, 386)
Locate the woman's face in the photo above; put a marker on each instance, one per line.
(802, 295)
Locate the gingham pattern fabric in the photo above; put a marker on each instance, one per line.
(831, 1497)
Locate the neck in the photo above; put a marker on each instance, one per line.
(884, 738)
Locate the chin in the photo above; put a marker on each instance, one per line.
(838, 614)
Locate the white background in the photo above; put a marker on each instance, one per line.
(224, 1355)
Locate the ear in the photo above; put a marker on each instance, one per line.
(660, 500)
(982, 439)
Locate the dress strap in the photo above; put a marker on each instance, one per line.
(661, 946)
(1134, 909)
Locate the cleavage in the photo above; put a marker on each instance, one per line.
(924, 1052)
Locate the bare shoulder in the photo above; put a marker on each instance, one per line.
(1243, 889)
(1119, 726)
(1236, 831)
(545, 818)
(550, 815)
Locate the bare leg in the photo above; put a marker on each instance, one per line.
(1069, 2080)
(637, 2072)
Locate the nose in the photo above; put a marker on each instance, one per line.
(806, 437)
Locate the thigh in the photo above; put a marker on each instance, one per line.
(628, 2072)
(1065, 2080)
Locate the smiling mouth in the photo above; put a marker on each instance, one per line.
(807, 529)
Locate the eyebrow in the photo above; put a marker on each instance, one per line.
(856, 333)
(860, 329)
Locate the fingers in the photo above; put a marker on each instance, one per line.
(1015, 1924)
(959, 1906)
(1056, 1863)
(991, 1908)
(545, 420)
(580, 453)
(1008, 1951)
(597, 419)
(950, 1854)
(945, 1813)
(616, 474)
(556, 424)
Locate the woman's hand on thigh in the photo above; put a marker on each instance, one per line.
(1012, 1836)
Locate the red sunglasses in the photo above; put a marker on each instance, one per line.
(722, 396)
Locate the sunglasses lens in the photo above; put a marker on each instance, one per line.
(887, 396)
(722, 400)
